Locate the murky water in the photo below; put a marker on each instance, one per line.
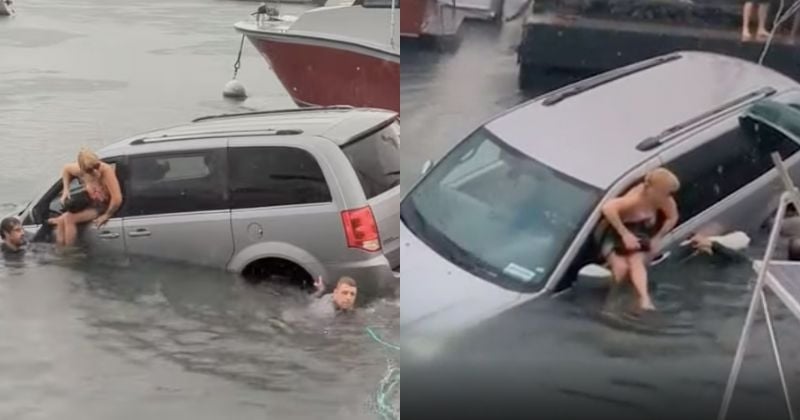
(572, 354)
(81, 339)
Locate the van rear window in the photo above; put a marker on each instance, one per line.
(376, 160)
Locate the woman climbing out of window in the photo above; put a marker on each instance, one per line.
(633, 236)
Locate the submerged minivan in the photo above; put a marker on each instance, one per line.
(511, 212)
(297, 193)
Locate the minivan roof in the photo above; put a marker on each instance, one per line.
(592, 136)
(338, 124)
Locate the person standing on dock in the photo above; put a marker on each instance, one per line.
(747, 17)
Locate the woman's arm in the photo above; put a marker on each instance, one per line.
(70, 171)
(671, 212)
(612, 210)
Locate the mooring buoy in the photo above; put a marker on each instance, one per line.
(234, 88)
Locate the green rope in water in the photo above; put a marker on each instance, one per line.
(388, 383)
(378, 339)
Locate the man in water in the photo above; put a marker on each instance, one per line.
(633, 235)
(342, 300)
(13, 246)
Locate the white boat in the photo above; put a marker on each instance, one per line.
(334, 55)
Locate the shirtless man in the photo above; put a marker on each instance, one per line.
(102, 186)
(631, 237)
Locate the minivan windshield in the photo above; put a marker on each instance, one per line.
(498, 213)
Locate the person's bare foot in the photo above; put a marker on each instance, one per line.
(646, 305)
(746, 36)
(762, 35)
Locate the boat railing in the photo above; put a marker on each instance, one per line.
(790, 195)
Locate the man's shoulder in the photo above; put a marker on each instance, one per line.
(323, 304)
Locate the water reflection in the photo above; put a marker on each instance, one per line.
(150, 319)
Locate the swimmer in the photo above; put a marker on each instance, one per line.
(13, 246)
(721, 248)
(342, 300)
(632, 237)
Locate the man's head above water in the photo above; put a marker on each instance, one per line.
(11, 232)
(344, 295)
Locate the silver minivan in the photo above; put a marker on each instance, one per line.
(296, 193)
(511, 212)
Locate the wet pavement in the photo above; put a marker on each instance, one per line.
(144, 339)
(574, 355)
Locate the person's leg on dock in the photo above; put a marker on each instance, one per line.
(747, 15)
(763, 12)
(795, 26)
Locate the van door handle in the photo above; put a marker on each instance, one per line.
(108, 235)
(139, 232)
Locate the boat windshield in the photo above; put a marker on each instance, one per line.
(498, 213)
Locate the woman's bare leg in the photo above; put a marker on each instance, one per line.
(58, 228)
(619, 272)
(639, 279)
(618, 266)
(71, 222)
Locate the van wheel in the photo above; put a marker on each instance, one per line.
(280, 271)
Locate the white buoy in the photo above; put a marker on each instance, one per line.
(234, 89)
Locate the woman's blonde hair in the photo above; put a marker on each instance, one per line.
(664, 177)
(87, 159)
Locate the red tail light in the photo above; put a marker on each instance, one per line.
(361, 229)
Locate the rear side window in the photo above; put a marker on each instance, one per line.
(725, 164)
(174, 183)
(275, 176)
(376, 160)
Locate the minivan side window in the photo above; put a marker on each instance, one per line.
(376, 160)
(176, 182)
(725, 164)
(275, 176)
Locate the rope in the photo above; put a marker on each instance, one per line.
(777, 22)
(378, 339)
(238, 62)
(387, 384)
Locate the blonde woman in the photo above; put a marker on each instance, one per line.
(102, 187)
(633, 234)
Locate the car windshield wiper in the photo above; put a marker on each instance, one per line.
(467, 261)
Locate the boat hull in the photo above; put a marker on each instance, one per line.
(412, 18)
(324, 72)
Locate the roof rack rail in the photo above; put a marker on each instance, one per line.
(273, 111)
(607, 77)
(215, 134)
(653, 142)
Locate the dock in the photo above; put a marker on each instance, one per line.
(593, 45)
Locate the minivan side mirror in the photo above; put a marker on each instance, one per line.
(594, 270)
(426, 166)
